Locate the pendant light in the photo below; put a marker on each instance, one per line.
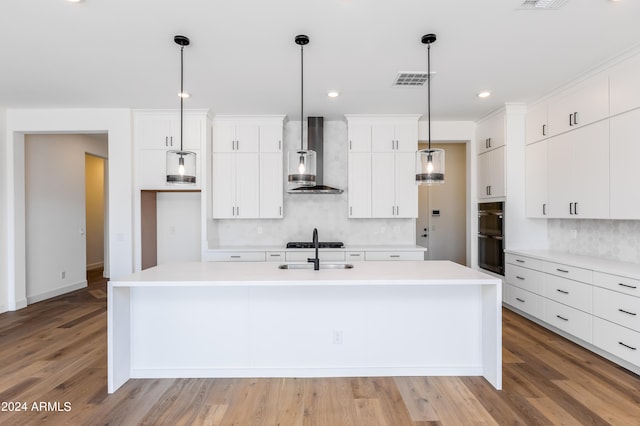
(430, 161)
(181, 165)
(302, 162)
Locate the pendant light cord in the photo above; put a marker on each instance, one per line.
(301, 95)
(429, 92)
(181, 92)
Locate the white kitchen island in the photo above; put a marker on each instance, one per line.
(251, 319)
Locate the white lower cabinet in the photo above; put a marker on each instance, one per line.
(394, 255)
(325, 256)
(620, 341)
(235, 256)
(599, 308)
(625, 173)
(566, 318)
(354, 256)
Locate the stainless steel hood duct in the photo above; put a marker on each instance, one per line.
(315, 142)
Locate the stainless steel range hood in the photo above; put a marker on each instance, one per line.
(315, 142)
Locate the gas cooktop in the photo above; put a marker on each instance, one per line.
(321, 244)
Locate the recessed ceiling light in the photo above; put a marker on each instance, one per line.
(75, 1)
(184, 95)
(542, 4)
(484, 94)
(333, 94)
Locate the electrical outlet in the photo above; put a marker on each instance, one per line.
(337, 337)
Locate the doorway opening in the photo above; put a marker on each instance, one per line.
(57, 221)
(441, 225)
(95, 213)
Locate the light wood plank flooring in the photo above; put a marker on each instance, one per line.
(55, 352)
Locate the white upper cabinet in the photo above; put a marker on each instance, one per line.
(490, 133)
(536, 180)
(247, 178)
(396, 137)
(382, 166)
(624, 86)
(491, 173)
(580, 105)
(578, 173)
(536, 126)
(235, 137)
(624, 171)
(158, 131)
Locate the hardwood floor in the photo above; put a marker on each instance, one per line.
(55, 352)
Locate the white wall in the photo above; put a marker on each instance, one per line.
(178, 226)
(55, 212)
(117, 124)
(95, 205)
(4, 283)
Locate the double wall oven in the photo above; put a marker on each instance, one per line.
(491, 237)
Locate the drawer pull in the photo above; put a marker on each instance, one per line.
(519, 300)
(627, 312)
(627, 285)
(274, 255)
(562, 318)
(564, 271)
(562, 291)
(519, 277)
(394, 255)
(627, 346)
(235, 257)
(519, 260)
(354, 254)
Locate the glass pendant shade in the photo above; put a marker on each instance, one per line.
(302, 168)
(181, 167)
(430, 166)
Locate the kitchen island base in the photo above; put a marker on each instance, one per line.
(323, 327)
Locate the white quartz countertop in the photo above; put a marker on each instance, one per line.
(268, 274)
(407, 247)
(625, 269)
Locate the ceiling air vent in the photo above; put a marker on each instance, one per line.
(542, 4)
(411, 79)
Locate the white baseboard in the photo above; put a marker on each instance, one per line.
(96, 265)
(22, 303)
(56, 292)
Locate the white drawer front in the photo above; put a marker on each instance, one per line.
(617, 283)
(617, 307)
(354, 256)
(394, 255)
(527, 262)
(571, 320)
(617, 340)
(569, 292)
(524, 278)
(236, 256)
(325, 256)
(275, 256)
(523, 300)
(565, 271)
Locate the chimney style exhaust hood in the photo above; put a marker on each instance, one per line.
(315, 142)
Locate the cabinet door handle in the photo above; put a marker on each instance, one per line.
(354, 254)
(519, 260)
(627, 312)
(280, 211)
(350, 145)
(544, 130)
(519, 277)
(575, 118)
(486, 143)
(562, 291)
(519, 300)
(562, 318)
(166, 141)
(564, 271)
(279, 145)
(570, 208)
(571, 120)
(627, 346)
(393, 144)
(394, 255)
(489, 142)
(397, 210)
(235, 257)
(627, 285)
(489, 189)
(544, 209)
(350, 210)
(238, 211)
(575, 208)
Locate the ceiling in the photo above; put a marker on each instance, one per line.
(243, 59)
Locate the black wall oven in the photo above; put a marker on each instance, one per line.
(491, 237)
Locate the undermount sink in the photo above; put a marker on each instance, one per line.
(310, 266)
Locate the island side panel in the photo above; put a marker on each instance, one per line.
(118, 336)
(492, 333)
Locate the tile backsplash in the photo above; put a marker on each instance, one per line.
(303, 212)
(608, 239)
